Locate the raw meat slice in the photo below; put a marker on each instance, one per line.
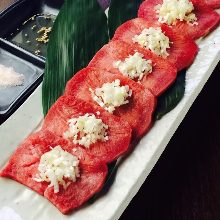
(207, 18)
(162, 76)
(67, 107)
(182, 49)
(212, 3)
(137, 112)
(23, 167)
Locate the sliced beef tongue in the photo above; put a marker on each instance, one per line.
(23, 168)
(182, 49)
(163, 72)
(207, 18)
(138, 112)
(67, 107)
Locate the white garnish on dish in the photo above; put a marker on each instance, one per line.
(172, 10)
(57, 164)
(111, 95)
(135, 66)
(9, 78)
(153, 39)
(86, 130)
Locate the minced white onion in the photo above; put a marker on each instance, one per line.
(153, 39)
(86, 130)
(172, 10)
(111, 95)
(57, 164)
(135, 66)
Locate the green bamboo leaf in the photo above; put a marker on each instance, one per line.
(79, 31)
(121, 11)
(171, 97)
(112, 170)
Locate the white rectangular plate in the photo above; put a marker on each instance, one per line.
(19, 202)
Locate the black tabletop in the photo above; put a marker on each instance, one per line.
(185, 182)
